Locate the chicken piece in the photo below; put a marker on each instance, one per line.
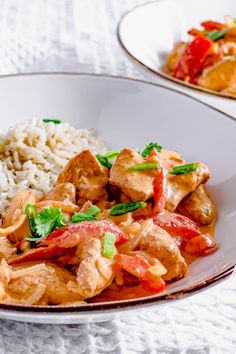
(158, 243)
(199, 206)
(219, 76)
(95, 271)
(88, 176)
(16, 209)
(175, 55)
(33, 283)
(171, 159)
(179, 186)
(64, 192)
(137, 185)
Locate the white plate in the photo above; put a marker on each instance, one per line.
(131, 113)
(149, 32)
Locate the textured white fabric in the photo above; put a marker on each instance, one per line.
(79, 35)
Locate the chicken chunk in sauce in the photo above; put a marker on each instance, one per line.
(87, 175)
(137, 185)
(158, 243)
(179, 186)
(95, 272)
(199, 206)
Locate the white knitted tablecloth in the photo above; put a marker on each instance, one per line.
(79, 35)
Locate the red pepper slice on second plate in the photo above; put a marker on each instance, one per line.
(192, 58)
(212, 25)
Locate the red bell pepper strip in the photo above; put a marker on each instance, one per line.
(176, 224)
(211, 59)
(200, 245)
(36, 254)
(196, 32)
(139, 267)
(71, 235)
(192, 58)
(213, 25)
(159, 184)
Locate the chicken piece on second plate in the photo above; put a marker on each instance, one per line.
(175, 55)
(137, 185)
(95, 272)
(199, 206)
(88, 176)
(158, 243)
(220, 76)
(179, 186)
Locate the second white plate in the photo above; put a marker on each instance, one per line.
(149, 32)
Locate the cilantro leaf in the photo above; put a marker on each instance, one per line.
(48, 220)
(43, 224)
(87, 215)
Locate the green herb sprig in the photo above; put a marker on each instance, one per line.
(55, 121)
(144, 166)
(216, 35)
(149, 147)
(108, 244)
(103, 160)
(44, 223)
(49, 219)
(112, 154)
(121, 209)
(183, 169)
(87, 215)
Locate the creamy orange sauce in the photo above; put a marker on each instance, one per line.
(114, 292)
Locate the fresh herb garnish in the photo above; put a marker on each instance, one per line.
(149, 147)
(55, 121)
(43, 224)
(48, 220)
(216, 35)
(183, 169)
(32, 215)
(121, 209)
(103, 160)
(144, 166)
(112, 154)
(87, 215)
(108, 245)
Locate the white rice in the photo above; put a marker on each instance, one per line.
(32, 155)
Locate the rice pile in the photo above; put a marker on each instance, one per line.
(33, 154)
